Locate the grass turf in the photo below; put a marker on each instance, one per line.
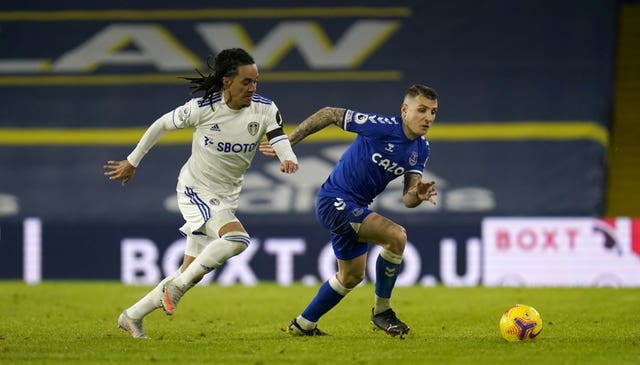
(75, 323)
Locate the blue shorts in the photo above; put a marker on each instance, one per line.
(338, 215)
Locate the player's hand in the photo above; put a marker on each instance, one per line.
(288, 167)
(426, 191)
(267, 150)
(119, 170)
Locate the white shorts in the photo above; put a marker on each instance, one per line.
(204, 211)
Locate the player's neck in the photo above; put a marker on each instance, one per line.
(408, 133)
(229, 102)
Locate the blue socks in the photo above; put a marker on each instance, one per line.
(329, 294)
(387, 268)
(332, 291)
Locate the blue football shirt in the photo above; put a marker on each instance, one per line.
(380, 153)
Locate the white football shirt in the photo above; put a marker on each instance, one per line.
(224, 140)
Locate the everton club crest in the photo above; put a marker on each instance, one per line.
(413, 160)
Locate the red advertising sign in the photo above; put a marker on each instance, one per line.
(561, 252)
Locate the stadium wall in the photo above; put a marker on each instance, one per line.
(522, 130)
(503, 251)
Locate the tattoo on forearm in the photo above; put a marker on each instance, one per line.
(319, 120)
(410, 180)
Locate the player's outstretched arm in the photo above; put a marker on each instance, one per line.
(119, 170)
(415, 191)
(317, 121)
(125, 169)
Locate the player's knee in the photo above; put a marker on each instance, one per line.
(237, 241)
(196, 242)
(397, 240)
(351, 280)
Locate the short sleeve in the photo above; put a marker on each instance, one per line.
(419, 161)
(273, 117)
(368, 124)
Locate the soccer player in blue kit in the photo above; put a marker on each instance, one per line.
(385, 148)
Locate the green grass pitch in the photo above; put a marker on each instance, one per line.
(75, 323)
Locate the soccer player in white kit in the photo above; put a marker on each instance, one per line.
(229, 122)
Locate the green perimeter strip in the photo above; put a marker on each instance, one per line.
(120, 79)
(515, 131)
(207, 13)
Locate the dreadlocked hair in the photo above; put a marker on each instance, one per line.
(225, 64)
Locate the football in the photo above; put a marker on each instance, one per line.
(520, 323)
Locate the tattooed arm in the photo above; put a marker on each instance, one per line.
(415, 191)
(319, 120)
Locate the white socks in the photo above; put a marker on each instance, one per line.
(305, 324)
(151, 301)
(213, 256)
(338, 287)
(381, 304)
